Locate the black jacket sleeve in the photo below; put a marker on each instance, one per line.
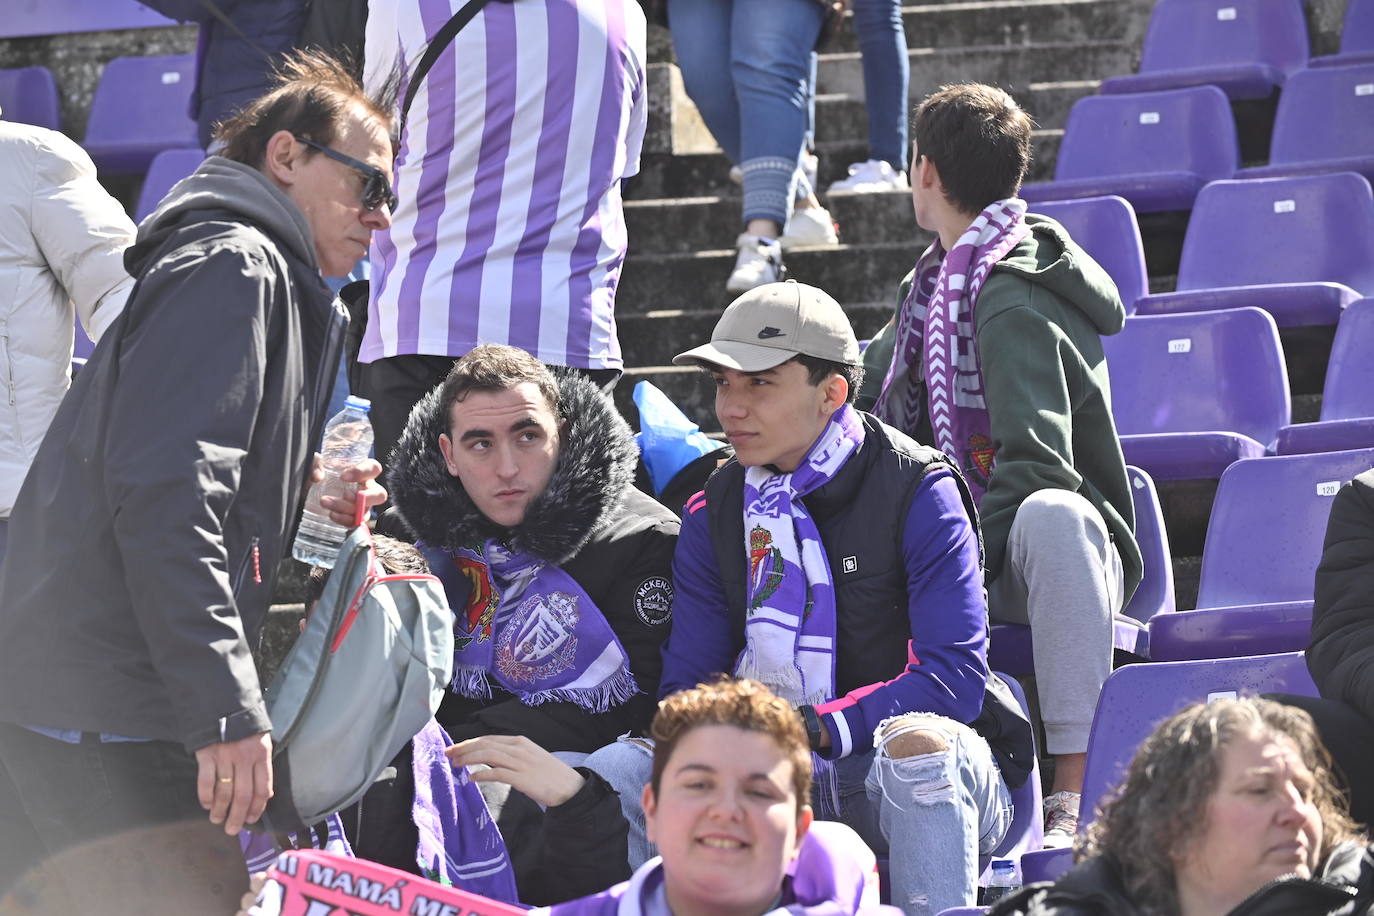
(582, 848)
(173, 465)
(1341, 656)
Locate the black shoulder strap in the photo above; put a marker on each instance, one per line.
(441, 40)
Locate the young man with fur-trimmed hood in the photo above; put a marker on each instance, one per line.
(520, 489)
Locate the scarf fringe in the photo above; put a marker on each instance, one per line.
(598, 699)
(471, 681)
(785, 681)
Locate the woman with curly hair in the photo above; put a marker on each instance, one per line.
(1229, 807)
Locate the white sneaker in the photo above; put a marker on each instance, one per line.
(871, 176)
(1061, 819)
(811, 226)
(759, 262)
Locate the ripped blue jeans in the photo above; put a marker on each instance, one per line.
(933, 814)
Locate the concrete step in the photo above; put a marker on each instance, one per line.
(845, 117)
(693, 224)
(655, 337)
(663, 175)
(696, 280)
(675, 124)
(1014, 67)
(958, 23)
(1008, 22)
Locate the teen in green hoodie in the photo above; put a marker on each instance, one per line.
(1024, 406)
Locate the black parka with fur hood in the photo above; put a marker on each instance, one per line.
(591, 522)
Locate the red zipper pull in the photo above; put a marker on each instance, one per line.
(257, 565)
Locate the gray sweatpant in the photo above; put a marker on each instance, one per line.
(1062, 576)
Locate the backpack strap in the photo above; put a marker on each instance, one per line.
(441, 40)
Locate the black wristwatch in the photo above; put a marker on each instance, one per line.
(813, 726)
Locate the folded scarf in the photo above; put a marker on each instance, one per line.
(459, 843)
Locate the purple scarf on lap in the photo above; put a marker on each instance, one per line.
(530, 627)
(459, 843)
(935, 338)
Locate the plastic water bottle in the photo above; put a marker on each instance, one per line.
(1003, 881)
(347, 440)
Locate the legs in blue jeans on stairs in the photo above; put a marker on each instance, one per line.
(887, 74)
(747, 66)
(930, 797)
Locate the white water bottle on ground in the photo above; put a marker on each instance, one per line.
(347, 440)
(1003, 881)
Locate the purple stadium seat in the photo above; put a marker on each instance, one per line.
(168, 167)
(1246, 48)
(1263, 544)
(1107, 229)
(1010, 647)
(1136, 698)
(1347, 418)
(1192, 393)
(1324, 123)
(1155, 595)
(28, 95)
(140, 109)
(1296, 247)
(1357, 37)
(1156, 149)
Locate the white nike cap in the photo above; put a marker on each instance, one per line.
(772, 323)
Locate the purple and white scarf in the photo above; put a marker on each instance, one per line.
(529, 626)
(260, 850)
(935, 336)
(459, 843)
(789, 626)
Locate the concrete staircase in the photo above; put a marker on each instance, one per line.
(683, 213)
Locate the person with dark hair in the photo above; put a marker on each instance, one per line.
(838, 562)
(998, 362)
(166, 491)
(519, 486)
(1229, 807)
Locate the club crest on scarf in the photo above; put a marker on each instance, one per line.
(541, 639)
(530, 628)
(481, 604)
(765, 567)
(978, 459)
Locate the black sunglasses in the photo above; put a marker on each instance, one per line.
(376, 190)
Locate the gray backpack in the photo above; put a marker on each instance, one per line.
(366, 674)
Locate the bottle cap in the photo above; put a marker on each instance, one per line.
(362, 404)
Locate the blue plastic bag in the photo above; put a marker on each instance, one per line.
(667, 439)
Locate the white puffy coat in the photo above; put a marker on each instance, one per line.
(62, 241)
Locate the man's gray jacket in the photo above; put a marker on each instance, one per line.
(146, 537)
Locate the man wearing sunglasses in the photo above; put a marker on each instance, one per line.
(147, 538)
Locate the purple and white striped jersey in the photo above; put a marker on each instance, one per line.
(510, 227)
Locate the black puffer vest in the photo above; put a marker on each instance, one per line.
(861, 514)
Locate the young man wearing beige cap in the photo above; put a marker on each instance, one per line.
(838, 561)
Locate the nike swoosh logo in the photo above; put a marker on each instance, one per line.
(769, 333)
